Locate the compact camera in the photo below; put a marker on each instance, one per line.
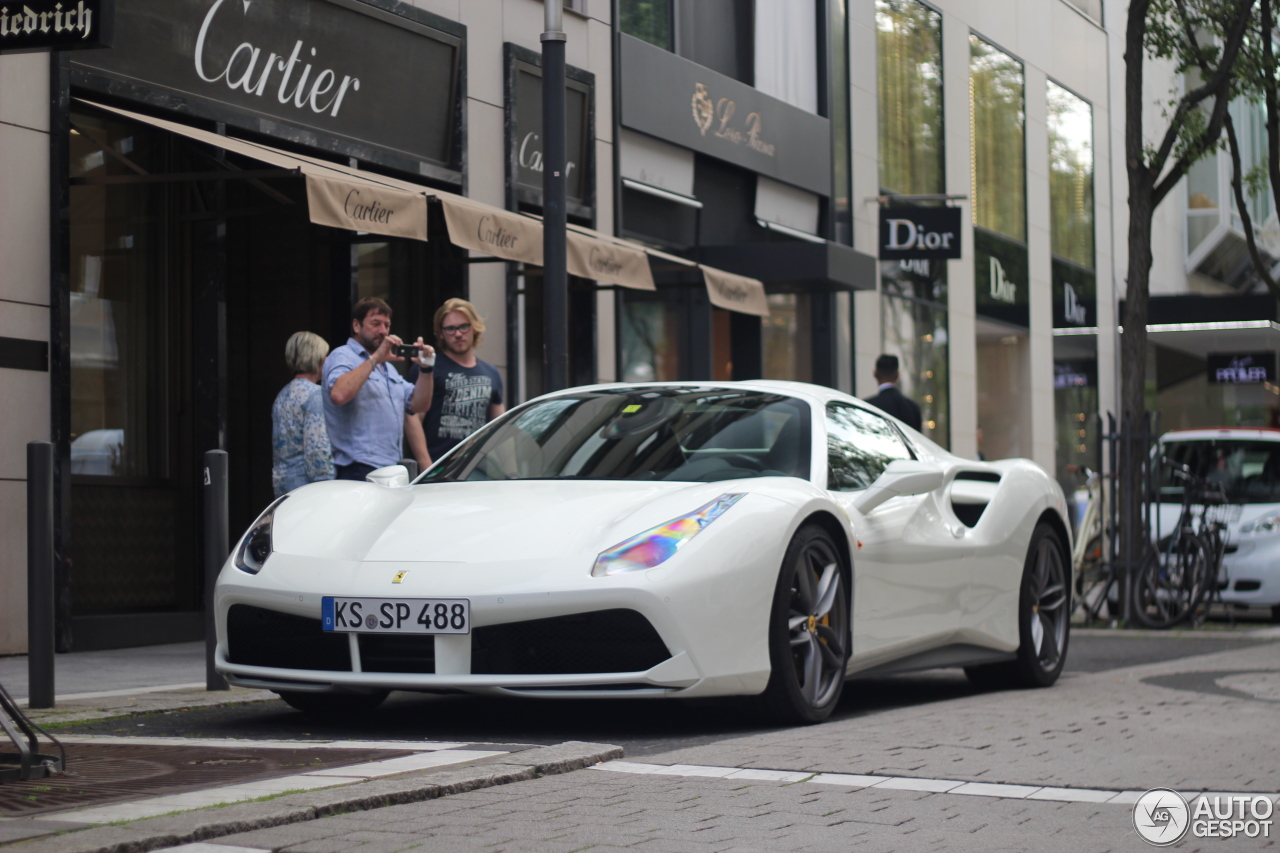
(405, 351)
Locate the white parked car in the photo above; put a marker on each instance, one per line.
(685, 539)
(1245, 463)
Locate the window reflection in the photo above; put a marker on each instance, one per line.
(913, 326)
(999, 153)
(649, 331)
(785, 338)
(117, 304)
(650, 20)
(1070, 176)
(909, 56)
(860, 445)
(913, 306)
(676, 434)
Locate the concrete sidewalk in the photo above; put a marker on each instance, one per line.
(124, 683)
(113, 671)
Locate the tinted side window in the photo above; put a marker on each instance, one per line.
(860, 445)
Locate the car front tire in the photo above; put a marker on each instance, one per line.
(1044, 619)
(808, 631)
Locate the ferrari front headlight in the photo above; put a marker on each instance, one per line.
(1269, 523)
(255, 547)
(658, 544)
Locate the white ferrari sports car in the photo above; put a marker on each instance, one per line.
(689, 539)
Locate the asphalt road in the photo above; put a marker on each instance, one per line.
(642, 727)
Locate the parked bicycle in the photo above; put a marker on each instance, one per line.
(1096, 581)
(1180, 574)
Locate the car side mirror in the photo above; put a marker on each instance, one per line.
(392, 476)
(902, 477)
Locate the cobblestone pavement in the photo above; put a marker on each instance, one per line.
(1202, 723)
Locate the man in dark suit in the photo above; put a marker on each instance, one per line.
(889, 398)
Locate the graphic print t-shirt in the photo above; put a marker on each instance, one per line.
(460, 403)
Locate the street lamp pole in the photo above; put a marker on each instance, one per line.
(555, 284)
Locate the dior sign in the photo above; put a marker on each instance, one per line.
(1001, 278)
(347, 75)
(919, 233)
(1074, 300)
(65, 25)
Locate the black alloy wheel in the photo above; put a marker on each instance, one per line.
(808, 631)
(333, 705)
(1044, 619)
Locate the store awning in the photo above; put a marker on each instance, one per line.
(724, 289)
(334, 197)
(341, 196)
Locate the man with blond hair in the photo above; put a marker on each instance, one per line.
(468, 391)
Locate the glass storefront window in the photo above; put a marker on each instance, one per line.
(373, 270)
(841, 126)
(1070, 176)
(998, 123)
(1186, 399)
(909, 59)
(1071, 231)
(721, 345)
(785, 338)
(913, 326)
(1004, 399)
(648, 339)
(118, 370)
(1075, 402)
(913, 304)
(650, 20)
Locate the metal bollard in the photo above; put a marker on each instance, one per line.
(412, 465)
(216, 526)
(40, 628)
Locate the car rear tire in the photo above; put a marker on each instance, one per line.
(1044, 619)
(333, 704)
(808, 631)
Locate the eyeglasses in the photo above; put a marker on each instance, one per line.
(460, 329)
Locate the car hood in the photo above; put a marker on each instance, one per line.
(478, 522)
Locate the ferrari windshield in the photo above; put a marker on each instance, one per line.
(1248, 471)
(686, 433)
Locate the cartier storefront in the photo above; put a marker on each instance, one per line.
(231, 172)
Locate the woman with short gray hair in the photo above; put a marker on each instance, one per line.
(300, 451)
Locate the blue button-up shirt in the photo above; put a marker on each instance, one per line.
(370, 427)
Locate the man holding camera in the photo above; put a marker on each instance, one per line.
(365, 399)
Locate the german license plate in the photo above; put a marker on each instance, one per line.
(396, 615)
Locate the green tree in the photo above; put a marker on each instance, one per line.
(1204, 40)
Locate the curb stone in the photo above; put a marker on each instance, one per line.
(72, 711)
(202, 825)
